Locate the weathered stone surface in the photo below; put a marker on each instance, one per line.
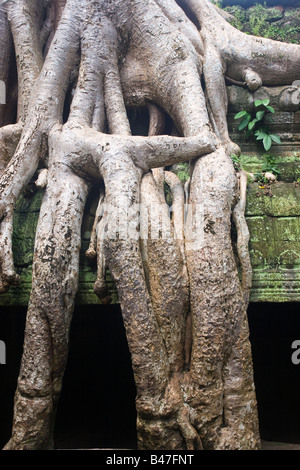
(274, 227)
(289, 166)
(285, 121)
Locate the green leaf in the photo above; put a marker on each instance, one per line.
(252, 124)
(269, 108)
(259, 134)
(260, 115)
(244, 122)
(240, 114)
(267, 142)
(258, 102)
(275, 138)
(265, 102)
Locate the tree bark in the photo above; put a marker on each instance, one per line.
(80, 66)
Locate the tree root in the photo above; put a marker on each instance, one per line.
(183, 305)
(243, 237)
(96, 249)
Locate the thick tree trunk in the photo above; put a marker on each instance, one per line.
(54, 284)
(80, 65)
(226, 403)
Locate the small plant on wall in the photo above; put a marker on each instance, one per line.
(255, 124)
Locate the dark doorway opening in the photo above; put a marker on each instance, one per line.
(273, 329)
(12, 323)
(97, 406)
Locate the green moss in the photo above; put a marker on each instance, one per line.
(269, 22)
(239, 16)
(288, 166)
(182, 170)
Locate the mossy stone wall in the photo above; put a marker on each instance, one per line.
(274, 224)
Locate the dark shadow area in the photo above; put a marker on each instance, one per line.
(273, 328)
(12, 324)
(97, 406)
(139, 121)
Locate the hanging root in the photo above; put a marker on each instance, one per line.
(96, 249)
(91, 252)
(178, 198)
(243, 237)
(8, 276)
(156, 120)
(24, 17)
(153, 195)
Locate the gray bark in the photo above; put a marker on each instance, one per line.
(183, 304)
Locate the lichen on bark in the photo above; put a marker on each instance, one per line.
(81, 65)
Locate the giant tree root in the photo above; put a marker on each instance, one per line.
(183, 304)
